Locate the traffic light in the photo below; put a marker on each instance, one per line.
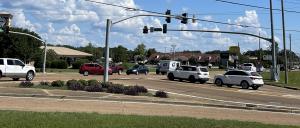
(145, 30)
(165, 27)
(168, 19)
(184, 18)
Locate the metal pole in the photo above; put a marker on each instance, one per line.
(274, 70)
(290, 50)
(106, 66)
(259, 48)
(45, 57)
(284, 45)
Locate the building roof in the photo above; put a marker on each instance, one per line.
(67, 52)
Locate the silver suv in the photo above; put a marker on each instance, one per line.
(190, 73)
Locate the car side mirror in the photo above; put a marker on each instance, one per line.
(23, 65)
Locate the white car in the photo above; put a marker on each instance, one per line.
(245, 79)
(16, 69)
(190, 73)
(249, 67)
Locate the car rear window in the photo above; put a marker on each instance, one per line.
(254, 74)
(203, 70)
(1, 62)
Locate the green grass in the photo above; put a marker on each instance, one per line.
(17, 119)
(293, 78)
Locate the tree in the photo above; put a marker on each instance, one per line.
(140, 50)
(119, 54)
(150, 51)
(23, 47)
(193, 60)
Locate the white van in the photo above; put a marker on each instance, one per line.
(166, 66)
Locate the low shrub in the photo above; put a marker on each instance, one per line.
(106, 84)
(141, 89)
(45, 83)
(58, 83)
(131, 90)
(115, 88)
(83, 82)
(59, 64)
(93, 86)
(161, 94)
(26, 84)
(74, 85)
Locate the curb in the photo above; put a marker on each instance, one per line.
(287, 87)
(241, 106)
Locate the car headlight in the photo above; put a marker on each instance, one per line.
(134, 70)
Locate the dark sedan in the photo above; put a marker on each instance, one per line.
(137, 69)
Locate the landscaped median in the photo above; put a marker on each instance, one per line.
(95, 86)
(293, 80)
(19, 119)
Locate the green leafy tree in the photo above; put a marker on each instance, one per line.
(23, 47)
(151, 51)
(140, 50)
(119, 54)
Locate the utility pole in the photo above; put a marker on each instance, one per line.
(45, 56)
(106, 66)
(274, 59)
(291, 63)
(173, 46)
(259, 48)
(284, 45)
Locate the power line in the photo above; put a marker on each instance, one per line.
(255, 6)
(210, 21)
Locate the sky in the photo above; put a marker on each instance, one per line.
(80, 22)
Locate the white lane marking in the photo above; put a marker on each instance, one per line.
(292, 96)
(224, 101)
(145, 103)
(47, 92)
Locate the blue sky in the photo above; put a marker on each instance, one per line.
(78, 22)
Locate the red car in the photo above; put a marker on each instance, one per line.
(117, 69)
(93, 68)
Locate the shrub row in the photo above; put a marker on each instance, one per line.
(96, 86)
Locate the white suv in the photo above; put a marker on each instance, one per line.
(245, 79)
(190, 73)
(16, 69)
(249, 67)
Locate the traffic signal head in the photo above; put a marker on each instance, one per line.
(168, 19)
(145, 30)
(165, 28)
(184, 18)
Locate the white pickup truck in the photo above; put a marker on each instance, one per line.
(16, 69)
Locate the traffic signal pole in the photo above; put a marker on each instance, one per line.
(106, 66)
(284, 44)
(274, 74)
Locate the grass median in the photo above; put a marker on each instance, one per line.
(293, 79)
(18, 119)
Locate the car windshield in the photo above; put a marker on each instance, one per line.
(255, 74)
(136, 66)
(203, 70)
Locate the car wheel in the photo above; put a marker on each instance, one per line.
(245, 85)
(120, 72)
(219, 82)
(192, 79)
(157, 72)
(171, 76)
(127, 73)
(0, 74)
(85, 73)
(30, 76)
(180, 80)
(16, 79)
(255, 87)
